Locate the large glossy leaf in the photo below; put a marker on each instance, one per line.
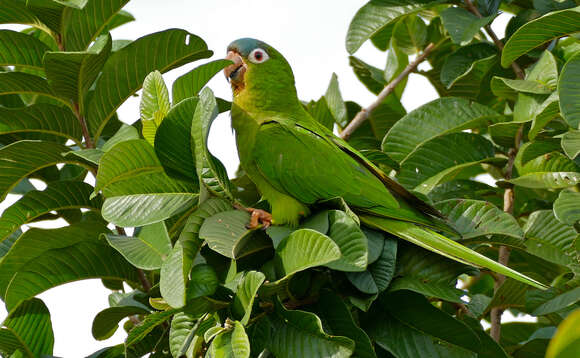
(441, 158)
(154, 104)
(106, 322)
(569, 90)
(231, 344)
(473, 218)
(151, 321)
(174, 143)
(121, 78)
(71, 74)
(566, 341)
(567, 207)
(345, 232)
(410, 34)
(539, 31)
(147, 250)
(338, 318)
(31, 326)
(549, 239)
(192, 82)
(15, 12)
(244, 298)
(30, 265)
(57, 196)
(415, 310)
(203, 282)
(462, 61)
(300, 334)
(24, 83)
(379, 274)
(435, 118)
(186, 333)
(306, 248)
(571, 143)
(375, 16)
(41, 118)
(82, 26)
(461, 24)
(558, 303)
(20, 159)
(335, 103)
(547, 180)
(210, 171)
(138, 192)
(372, 77)
(21, 50)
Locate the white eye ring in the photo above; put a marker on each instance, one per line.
(258, 55)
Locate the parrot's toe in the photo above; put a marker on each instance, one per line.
(259, 218)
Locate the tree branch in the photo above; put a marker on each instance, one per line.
(517, 69)
(504, 251)
(88, 141)
(366, 112)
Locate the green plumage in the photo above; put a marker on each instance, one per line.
(295, 162)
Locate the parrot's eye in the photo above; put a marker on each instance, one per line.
(258, 56)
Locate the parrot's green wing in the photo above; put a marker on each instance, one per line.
(312, 168)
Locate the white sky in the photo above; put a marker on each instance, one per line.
(310, 34)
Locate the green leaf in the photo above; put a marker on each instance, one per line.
(306, 248)
(71, 74)
(568, 89)
(174, 275)
(442, 158)
(106, 322)
(566, 341)
(226, 232)
(21, 50)
(24, 83)
(338, 319)
(57, 196)
(121, 77)
(571, 143)
(147, 250)
(396, 63)
(375, 15)
(81, 27)
(379, 274)
(300, 334)
(41, 118)
(319, 111)
(186, 334)
(549, 239)
(410, 34)
(372, 77)
(240, 342)
(30, 265)
(16, 12)
(462, 25)
(138, 192)
(335, 102)
(189, 84)
(154, 104)
(230, 344)
(462, 61)
(567, 207)
(23, 158)
(210, 170)
(138, 333)
(351, 241)
(123, 134)
(505, 87)
(203, 282)
(558, 303)
(244, 298)
(416, 311)
(473, 218)
(441, 116)
(544, 113)
(547, 180)
(30, 324)
(539, 31)
(174, 143)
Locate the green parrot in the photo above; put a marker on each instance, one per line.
(295, 161)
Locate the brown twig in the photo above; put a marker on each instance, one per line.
(88, 141)
(517, 69)
(504, 251)
(366, 112)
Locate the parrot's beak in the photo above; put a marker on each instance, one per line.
(235, 72)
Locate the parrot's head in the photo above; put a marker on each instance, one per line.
(259, 73)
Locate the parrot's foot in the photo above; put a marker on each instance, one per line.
(259, 217)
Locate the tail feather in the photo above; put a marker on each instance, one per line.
(441, 245)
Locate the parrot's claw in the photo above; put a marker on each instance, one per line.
(259, 217)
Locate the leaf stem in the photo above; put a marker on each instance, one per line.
(366, 112)
(517, 69)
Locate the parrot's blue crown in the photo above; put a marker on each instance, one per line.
(245, 45)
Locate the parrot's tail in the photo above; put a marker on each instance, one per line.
(441, 245)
